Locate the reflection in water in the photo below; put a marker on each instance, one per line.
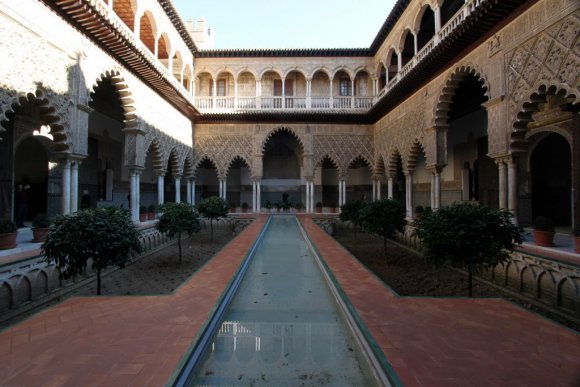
(283, 327)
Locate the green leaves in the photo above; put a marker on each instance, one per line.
(178, 218)
(467, 235)
(213, 208)
(107, 236)
(383, 217)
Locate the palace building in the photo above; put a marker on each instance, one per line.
(112, 102)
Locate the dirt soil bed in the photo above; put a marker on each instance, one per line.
(160, 272)
(408, 274)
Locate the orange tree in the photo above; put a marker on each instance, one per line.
(100, 237)
(176, 219)
(468, 236)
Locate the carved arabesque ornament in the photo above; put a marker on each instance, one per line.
(343, 150)
(222, 150)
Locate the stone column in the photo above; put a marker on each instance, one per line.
(160, 188)
(415, 41)
(66, 166)
(340, 192)
(374, 190)
(503, 184)
(259, 198)
(307, 204)
(134, 194)
(189, 191)
(193, 192)
(390, 187)
(74, 187)
(177, 189)
(409, 194)
(378, 189)
(513, 188)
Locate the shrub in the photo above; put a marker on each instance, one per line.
(351, 211)
(468, 236)
(384, 218)
(106, 236)
(152, 208)
(7, 226)
(245, 205)
(178, 218)
(142, 209)
(318, 205)
(213, 208)
(41, 221)
(543, 223)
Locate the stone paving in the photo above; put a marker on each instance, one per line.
(454, 341)
(140, 340)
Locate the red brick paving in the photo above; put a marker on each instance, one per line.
(118, 340)
(454, 341)
(429, 341)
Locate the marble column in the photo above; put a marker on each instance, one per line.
(409, 194)
(177, 189)
(160, 189)
(135, 194)
(512, 188)
(503, 184)
(74, 187)
(66, 172)
(390, 187)
(189, 192)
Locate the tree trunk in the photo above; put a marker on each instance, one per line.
(98, 282)
(470, 281)
(385, 246)
(179, 244)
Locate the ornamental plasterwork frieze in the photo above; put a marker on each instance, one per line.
(551, 58)
(343, 149)
(222, 150)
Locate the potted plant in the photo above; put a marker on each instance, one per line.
(318, 207)
(544, 231)
(151, 212)
(232, 207)
(286, 206)
(332, 207)
(8, 234)
(244, 207)
(576, 235)
(40, 227)
(142, 213)
(299, 206)
(268, 205)
(278, 205)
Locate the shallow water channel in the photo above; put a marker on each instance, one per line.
(283, 326)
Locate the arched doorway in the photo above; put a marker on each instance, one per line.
(239, 184)
(328, 182)
(102, 178)
(358, 181)
(550, 168)
(282, 167)
(28, 132)
(32, 172)
(206, 180)
(473, 174)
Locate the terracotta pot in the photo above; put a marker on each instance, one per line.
(244, 209)
(39, 234)
(333, 210)
(544, 238)
(8, 241)
(318, 210)
(151, 215)
(143, 217)
(577, 241)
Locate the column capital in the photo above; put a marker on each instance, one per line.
(434, 168)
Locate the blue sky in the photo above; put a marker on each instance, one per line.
(289, 24)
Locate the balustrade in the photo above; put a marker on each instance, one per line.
(339, 102)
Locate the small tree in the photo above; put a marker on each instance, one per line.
(384, 218)
(213, 208)
(178, 218)
(107, 236)
(468, 236)
(351, 211)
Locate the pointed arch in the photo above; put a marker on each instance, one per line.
(361, 158)
(379, 166)
(393, 160)
(238, 159)
(47, 113)
(188, 171)
(148, 30)
(125, 95)
(447, 92)
(414, 153)
(154, 150)
(204, 161)
(282, 129)
(173, 161)
(518, 141)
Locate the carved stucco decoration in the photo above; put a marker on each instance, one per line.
(548, 63)
(163, 148)
(222, 150)
(125, 95)
(399, 137)
(343, 150)
(50, 108)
